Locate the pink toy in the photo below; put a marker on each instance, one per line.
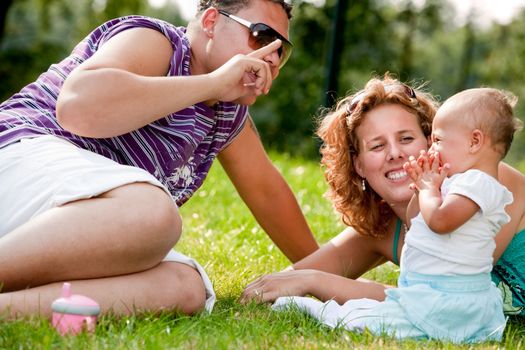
(74, 313)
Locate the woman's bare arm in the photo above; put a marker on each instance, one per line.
(515, 183)
(328, 273)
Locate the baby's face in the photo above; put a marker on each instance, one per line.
(452, 140)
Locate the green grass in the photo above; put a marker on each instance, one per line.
(221, 234)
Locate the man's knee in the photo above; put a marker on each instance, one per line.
(151, 210)
(165, 217)
(186, 290)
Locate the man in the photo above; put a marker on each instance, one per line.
(91, 150)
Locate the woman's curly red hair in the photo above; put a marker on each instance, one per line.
(364, 210)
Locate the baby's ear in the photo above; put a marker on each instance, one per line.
(477, 139)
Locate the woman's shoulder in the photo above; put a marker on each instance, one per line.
(515, 183)
(511, 178)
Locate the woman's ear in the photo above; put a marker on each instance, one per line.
(477, 139)
(358, 166)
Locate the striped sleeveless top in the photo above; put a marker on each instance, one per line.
(177, 149)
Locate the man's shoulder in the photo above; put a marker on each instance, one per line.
(176, 34)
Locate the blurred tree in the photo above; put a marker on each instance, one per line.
(4, 8)
(465, 64)
(41, 32)
(500, 64)
(378, 37)
(284, 118)
(116, 8)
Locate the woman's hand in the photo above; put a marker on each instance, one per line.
(285, 283)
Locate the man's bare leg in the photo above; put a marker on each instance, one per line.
(167, 286)
(126, 230)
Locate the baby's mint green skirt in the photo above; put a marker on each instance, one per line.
(459, 309)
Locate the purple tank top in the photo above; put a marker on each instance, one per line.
(178, 149)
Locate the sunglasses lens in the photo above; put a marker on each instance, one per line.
(262, 35)
(286, 50)
(409, 91)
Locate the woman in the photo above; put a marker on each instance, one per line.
(367, 139)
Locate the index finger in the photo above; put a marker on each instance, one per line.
(266, 50)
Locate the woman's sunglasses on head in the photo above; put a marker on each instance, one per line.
(261, 35)
(407, 90)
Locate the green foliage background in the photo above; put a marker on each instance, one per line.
(417, 43)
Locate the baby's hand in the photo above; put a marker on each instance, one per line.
(434, 156)
(424, 160)
(413, 168)
(438, 167)
(426, 171)
(434, 174)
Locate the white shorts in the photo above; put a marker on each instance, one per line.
(37, 174)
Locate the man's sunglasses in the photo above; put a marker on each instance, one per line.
(407, 90)
(261, 35)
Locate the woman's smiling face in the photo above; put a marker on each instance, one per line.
(387, 136)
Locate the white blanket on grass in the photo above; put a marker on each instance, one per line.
(351, 315)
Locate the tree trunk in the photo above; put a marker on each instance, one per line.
(4, 7)
(336, 49)
(465, 66)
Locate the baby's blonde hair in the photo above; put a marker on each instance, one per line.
(491, 111)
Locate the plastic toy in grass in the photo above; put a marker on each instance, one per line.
(73, 314)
